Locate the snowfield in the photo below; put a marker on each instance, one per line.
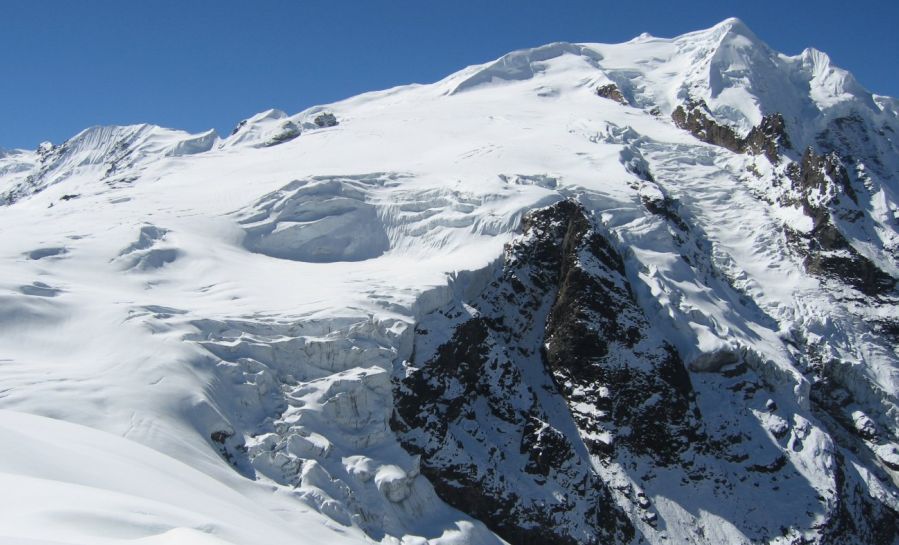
(201, 337)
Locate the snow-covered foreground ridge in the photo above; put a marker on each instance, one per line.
(585, 293)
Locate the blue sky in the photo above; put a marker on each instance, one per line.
(199, 64)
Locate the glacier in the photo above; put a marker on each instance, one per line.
(584, 293)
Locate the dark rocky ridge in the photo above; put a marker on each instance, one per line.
(594, 318)
(880, 524)
(559, 322)
(768, 138)
(825, 250)
(479, 388)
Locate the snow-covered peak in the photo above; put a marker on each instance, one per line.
(742, 79)
(738, 76)
(830, 85)
(734, 72)
(733, 27)
(729, 33)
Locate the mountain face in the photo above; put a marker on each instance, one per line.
(586, 293)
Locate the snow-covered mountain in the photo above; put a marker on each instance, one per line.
(585, 293)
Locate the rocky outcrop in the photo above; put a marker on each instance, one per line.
(558, 324)
(326, 119)
(880, 523)
(289, 131)
(822, 180)
(480, 408)
(601, 354)
(694, 116)
(552, 409)
(819, 184)
(611, 92)
(768, 138)
(823, 185)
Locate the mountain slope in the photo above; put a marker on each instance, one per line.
(585, 293)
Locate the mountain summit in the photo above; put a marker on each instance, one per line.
(584, 293)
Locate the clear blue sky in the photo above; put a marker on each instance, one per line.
(199, 64)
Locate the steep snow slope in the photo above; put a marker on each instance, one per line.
(587, 292)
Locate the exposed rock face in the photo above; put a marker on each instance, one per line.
(601, 355)
(822, 183)
(483, 394)
(695, 116)
(823, 174)
(767, 138)
(856, 139)
(326, 119)
(611, 92)
(558, 319)
(550, 408)
(880, 524)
